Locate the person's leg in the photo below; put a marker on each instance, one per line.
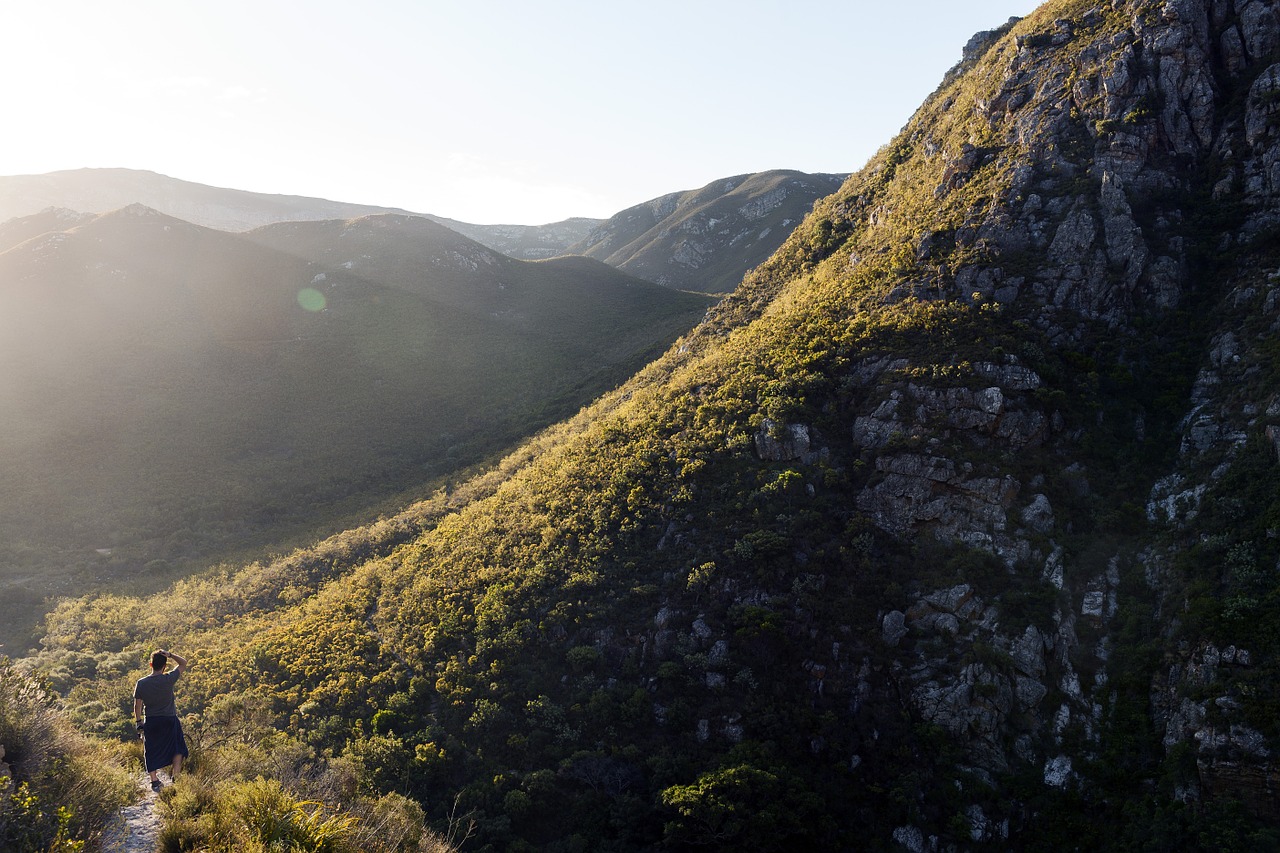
(177, 766)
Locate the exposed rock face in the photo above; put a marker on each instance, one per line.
(919, 489)
(1109, 123)
(780, 443)
(894, 627)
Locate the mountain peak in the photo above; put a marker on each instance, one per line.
(140, 211)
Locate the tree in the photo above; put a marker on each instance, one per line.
(741, 807)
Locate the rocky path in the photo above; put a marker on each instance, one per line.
(138, 828)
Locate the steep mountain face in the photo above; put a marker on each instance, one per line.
(705, 240)
(527, 242)
(954, 527)
(105, 190)
(173, 393)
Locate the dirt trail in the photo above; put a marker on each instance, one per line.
(138, 828)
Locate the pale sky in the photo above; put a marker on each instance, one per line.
(512, 111)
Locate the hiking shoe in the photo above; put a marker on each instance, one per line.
(156, 784)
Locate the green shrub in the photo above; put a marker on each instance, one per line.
(583, 658)
(258, 815)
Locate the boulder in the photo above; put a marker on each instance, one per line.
(894, 627)
(1038, 515)
(1028, 652)
(782, 442)
(1057, 771)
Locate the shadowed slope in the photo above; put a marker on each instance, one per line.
(173, 391)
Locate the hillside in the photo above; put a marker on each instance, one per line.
(953, 527)
(175, 395)
(706, 240)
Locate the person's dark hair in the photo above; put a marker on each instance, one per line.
(159, 660)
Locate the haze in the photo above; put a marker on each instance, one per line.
(494, 112)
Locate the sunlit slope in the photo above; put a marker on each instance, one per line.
(952, 521)
(172, 391)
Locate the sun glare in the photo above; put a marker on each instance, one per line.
(311, 299)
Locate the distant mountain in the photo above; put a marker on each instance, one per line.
(103, 190)
(527, 242)
(705, 240)
(702, 240)
(171, 391)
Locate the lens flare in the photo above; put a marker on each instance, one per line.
(311, 299)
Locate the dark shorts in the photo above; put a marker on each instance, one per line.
(161, 740)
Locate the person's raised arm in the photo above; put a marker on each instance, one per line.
(182, 662)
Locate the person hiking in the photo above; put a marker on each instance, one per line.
(162, 739)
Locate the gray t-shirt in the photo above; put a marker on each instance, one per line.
(156, 693)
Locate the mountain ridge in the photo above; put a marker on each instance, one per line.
(526, 242)
(766, 204)
(103, 190)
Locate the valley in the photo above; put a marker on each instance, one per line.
(173, 399)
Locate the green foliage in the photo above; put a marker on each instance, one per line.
(583, 658)
(303, 803)
(741, 807)
(26, 827)
(257, 815)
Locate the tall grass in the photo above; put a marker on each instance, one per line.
(277, 795)
(62, 790)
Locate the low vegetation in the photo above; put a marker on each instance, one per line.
(59, 791)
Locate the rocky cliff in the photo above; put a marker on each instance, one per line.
(1106, 175)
